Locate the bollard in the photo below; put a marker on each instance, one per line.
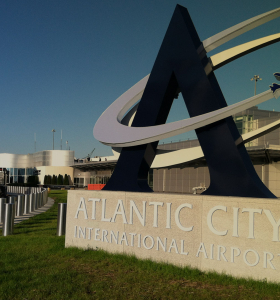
(3, 201)
(20, 204)
(46, 197)
(26, 204)
(8, 224)
(31, 203)
(36, 199)
(13, 199)
(40, 200)
(61, 219)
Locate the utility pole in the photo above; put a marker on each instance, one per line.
(256, 78)
(53, 131)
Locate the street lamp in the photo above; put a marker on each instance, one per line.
(53, 131)
(66, 145)
(277, 75)
(256, 78)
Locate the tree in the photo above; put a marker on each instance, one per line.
(30, 179)
(46, 179)
(60, 179)
(65, 180)
(54, 179)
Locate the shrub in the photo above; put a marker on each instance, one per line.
(34, 180)
(54, 180)
(60, 179)
(65, 180)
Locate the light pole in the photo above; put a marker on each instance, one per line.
(61, 141)
(256, 78)
(53, 131)
(277, 76)
(66, 145)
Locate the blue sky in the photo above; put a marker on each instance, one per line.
(63, 62)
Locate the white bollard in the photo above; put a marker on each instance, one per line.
(20, 205)
(3, 201)
(26, 204)
(61, 219)
(8, 224)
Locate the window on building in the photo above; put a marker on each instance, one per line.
(79, 182)
(21, 172)
(99, 179)
(29, 172)
(245, 124)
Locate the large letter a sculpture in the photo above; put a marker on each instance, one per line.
(179, 68)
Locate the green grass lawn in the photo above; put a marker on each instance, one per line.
(35, 265)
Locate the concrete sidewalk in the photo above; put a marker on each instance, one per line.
(38, 211)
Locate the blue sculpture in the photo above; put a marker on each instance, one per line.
(182, 66)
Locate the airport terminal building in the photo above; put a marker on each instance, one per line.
(49, 162)
(263, 151)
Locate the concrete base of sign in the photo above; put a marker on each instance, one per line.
(231, 235)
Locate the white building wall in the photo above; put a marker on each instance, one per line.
(49, 162)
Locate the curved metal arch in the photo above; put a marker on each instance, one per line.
(111, 132)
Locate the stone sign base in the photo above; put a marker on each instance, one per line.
(236, 236)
